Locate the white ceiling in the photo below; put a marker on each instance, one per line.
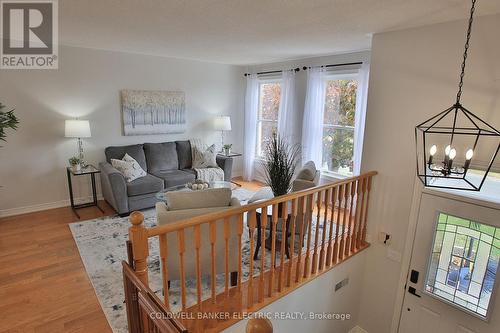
(247, 31)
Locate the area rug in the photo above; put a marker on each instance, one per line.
(101, 243)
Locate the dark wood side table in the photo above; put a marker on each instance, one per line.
(88, 170)
(269, 215)
(231, 155)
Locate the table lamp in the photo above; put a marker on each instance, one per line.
(77, 129)
(222, 123)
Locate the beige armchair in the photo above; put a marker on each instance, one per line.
(183, 205)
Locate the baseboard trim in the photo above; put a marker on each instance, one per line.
(39, 207)
(357, 329)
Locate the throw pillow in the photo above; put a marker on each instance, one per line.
(204, 158)
(129, 168)
(308, 171)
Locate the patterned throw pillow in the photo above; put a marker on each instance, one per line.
(129, 168)
(204, 158)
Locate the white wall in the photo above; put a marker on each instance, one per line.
(319, 296)
(87, 85)
(414, 75)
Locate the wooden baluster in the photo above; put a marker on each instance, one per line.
(302, 217)
(356, 215)
(274, 222)
(263, 225)
(309, 212)
(293, 219)
(251, 229)
(330, 237)
(138, 235)
(350, 218)
(181, 249)
(284, 237)
(197, 245)
(316, 234)
(213, 239)
(369, 187)
(325, 220)
(227, 231)
(164, 268)
(344, 222)
(336, 245)
(239, 230)
(361, 212)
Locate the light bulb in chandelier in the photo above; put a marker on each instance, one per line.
(447, 150)
(432, 152)
(452, 154)
(468, 157)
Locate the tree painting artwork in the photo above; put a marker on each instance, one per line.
(153, 112)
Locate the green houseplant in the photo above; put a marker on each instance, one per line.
(7, 121)
(282, 159)
(75, 163)
(227, 148)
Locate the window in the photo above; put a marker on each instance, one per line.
(267, 119)
(464, 263)
(338, 124)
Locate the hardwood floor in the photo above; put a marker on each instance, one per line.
(43, 284)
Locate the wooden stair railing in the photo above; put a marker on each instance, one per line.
(145, 312)
(332, 222)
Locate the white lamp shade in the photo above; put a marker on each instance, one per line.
(77, 129)
(222, 123)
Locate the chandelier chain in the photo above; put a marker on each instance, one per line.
(469, 31)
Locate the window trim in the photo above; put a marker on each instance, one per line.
(333, 76)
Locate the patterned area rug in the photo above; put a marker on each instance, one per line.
(101, 243)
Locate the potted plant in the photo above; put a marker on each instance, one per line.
(281, 161)
(75, 163)
(7, 121)
(227, 149)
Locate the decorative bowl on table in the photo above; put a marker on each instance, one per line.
(198, 185)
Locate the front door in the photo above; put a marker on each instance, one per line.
(451, 282)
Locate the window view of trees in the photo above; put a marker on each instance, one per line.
(338, 130)
(267, 121)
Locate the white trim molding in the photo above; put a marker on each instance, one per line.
(44, 206)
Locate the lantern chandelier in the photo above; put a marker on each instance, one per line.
(454, 146)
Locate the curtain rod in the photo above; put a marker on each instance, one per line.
(337, 65)
(272, 72)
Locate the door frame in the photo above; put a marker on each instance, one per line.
(418, 191)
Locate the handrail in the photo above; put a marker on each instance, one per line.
(320, 228)
(163, 229)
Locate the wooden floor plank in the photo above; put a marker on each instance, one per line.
(43, 284)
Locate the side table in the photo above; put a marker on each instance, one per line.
(231, 155)
(88, 170)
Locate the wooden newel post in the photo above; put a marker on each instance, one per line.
(138, 235)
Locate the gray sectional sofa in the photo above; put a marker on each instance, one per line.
(167, 164)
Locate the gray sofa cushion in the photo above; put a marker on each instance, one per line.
(184, 154)
(161, 156)
(135, 151)
(144, 185)
(175, 177)
(191, 171)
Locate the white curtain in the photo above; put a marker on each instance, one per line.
(360, 116)
(250, 136)
(312, 127)
(287, 116)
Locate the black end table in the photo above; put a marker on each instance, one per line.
(88, 170)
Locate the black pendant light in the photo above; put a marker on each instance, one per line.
(454, 146)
